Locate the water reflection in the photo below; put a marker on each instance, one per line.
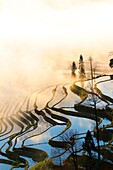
(40, 117)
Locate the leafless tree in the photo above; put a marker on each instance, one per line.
(94, 98)
(71, 137)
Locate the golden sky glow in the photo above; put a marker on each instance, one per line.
(51, 23)
(37, 35)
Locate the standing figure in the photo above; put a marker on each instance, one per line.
(73, 69)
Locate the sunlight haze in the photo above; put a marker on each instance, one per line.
(38, 37)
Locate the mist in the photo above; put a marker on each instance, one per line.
(40, 39)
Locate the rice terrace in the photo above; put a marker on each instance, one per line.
(56, 85)
(73, 121)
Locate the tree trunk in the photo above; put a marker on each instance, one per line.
(97, 132)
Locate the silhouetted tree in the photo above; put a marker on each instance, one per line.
(58, 160)
(81, 67)
(89, 145)
(94, 99)
(111, 63)
(70, 137)
(81, 58)
(73, 69)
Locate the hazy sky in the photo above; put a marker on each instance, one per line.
(56, 23)
(39, 35)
